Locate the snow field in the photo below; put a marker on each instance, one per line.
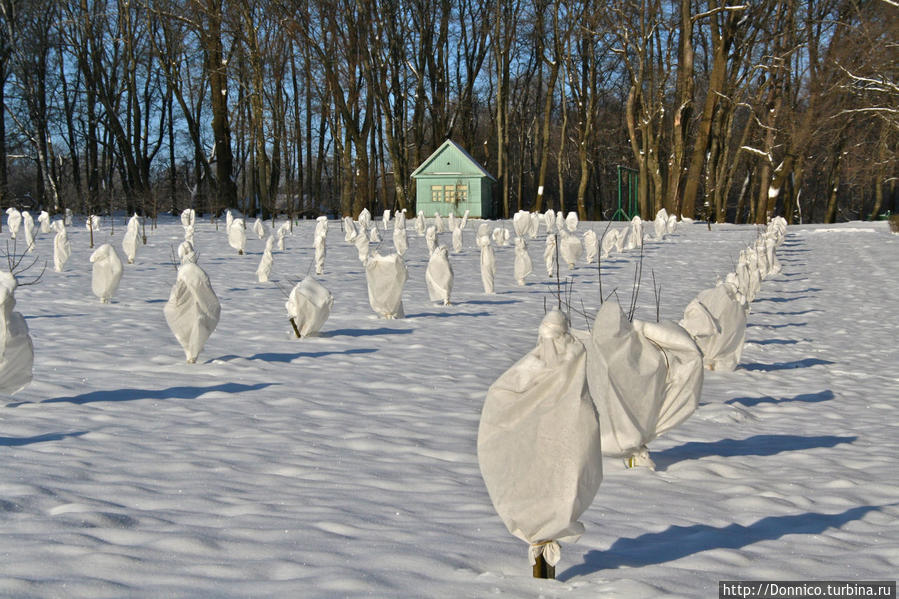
(345, 465)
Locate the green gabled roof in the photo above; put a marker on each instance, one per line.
(451, 146)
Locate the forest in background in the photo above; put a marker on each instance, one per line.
(733, 112)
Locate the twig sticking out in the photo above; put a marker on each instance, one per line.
(657, 291)
(638, 275)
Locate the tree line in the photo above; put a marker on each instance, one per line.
(728, 111)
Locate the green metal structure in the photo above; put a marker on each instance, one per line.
(451, 181)
(628, 201)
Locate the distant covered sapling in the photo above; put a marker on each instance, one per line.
(193, 310)
(106, 272)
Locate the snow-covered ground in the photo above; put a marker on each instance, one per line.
(345, 465)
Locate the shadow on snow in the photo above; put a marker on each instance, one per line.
(20, 441)
(804, 363)
(170, 393)
(758, 445)
(286, 358)
(677, 542)
(825, 395)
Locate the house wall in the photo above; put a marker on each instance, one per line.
(427, 187)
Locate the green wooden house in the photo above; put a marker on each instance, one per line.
(451, 181)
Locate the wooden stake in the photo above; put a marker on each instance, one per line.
(295, 329)
(543, 569)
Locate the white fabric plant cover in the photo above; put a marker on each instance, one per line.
(431, 239)
(609, 241)
(590, 246)
(373, 235)
(320, 245)
(130, 243)
(438, 223)
(107, 272)
(535, 226)
(451, 223)
(16, 348)
(464, 219)
(189, 233)
(761, 254)
(362, 246)
(28, 227)
(672, 223)
(349, 229)
(13, 221)
(193, 310)
(62, 249)
(731, 279)
(457, 239)
(539, 442)
(521, 223)
(488, 263)
(439, 276)
(549, 255)
(483, 231)
(626, 375)
(400, 222)
(44, 220)
(259, 228)
(400, 242)
(386, 219)
(571, 222)
(264, 270)
(683, 383)
(774, 266)
(309, 305)
(660, 224)
(549, 219)
(68, 217)
(420, 223)
(716, 321)
(560, 221)
(571, 249)
(386, 276)
(282, 232)
(523, 264)
(321, 227)
(501, 236)
(186, 253)
(93, 223)
(364, 219)
(229, 219)
(237, 235)
(188, 217)
(635, 238)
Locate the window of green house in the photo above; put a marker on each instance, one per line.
(436, 193)
(456, 193)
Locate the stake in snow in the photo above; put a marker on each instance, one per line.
(16, 349)
(539, 444)
(193, 310)
(308, 307)
(107, 272)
